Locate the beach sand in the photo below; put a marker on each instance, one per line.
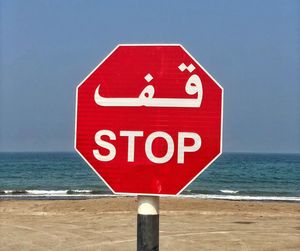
(185, 224)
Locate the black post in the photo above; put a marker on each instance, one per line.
(148, 223)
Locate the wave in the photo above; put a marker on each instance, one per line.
(243, 197)
(229, 191)
(53, 192)
(69, 194)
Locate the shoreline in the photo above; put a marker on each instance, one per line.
(224, 197)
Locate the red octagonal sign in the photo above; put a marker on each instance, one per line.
(149, 119)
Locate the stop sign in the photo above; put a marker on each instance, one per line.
(149, 119)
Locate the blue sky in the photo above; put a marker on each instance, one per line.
(251, 47)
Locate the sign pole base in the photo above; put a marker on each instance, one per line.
(148, 223)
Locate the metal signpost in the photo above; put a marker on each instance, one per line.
(148, 122)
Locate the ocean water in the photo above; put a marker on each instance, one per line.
(234, 176)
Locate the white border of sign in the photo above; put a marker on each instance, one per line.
(221, 138)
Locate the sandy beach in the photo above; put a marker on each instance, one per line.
(185, 224)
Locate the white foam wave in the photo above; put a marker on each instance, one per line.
(50, 194)
(229, 191)
(242, 197)
(56, 192)
(47, 192)
(87, 193)
(82, 191)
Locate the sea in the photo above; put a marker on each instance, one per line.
(233, 176)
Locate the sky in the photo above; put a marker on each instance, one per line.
(252, 48)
